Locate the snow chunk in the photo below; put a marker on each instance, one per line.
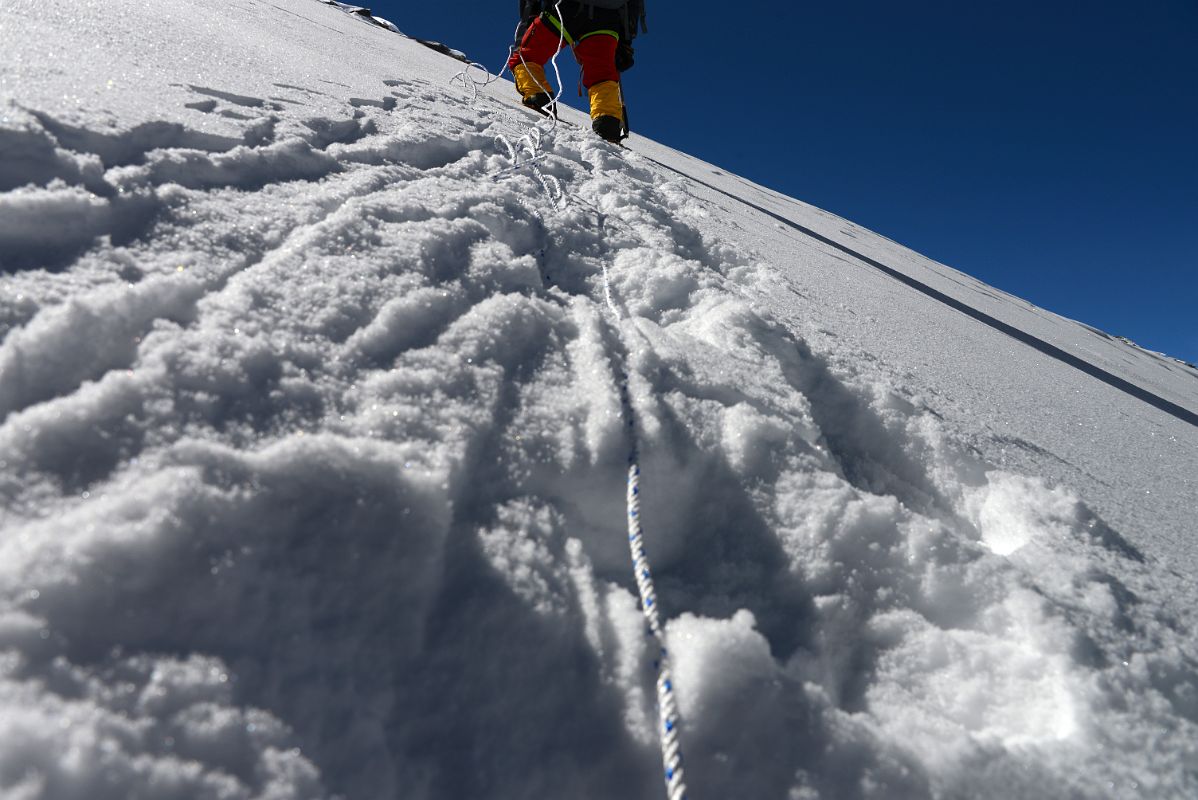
(1011, 511)
(166, 730)
(1009, 684)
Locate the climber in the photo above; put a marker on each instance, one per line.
(601, 33)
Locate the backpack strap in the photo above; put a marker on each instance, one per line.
(530, 8)
(633, 15)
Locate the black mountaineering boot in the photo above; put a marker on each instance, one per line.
(538, 101)
(610, 128)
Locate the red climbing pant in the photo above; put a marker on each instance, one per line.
(596, 51)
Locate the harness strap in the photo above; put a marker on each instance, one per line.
(559, 27)
(601, 33)
(570, 40)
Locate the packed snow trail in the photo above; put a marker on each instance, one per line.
(668, 727)
(313, 464)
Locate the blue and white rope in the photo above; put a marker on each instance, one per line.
(667, 703)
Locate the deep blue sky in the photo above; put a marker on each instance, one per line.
(1049, 148)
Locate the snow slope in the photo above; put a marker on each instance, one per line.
(312, 455)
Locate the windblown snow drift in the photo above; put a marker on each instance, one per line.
(312, 456)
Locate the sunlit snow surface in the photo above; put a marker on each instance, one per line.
(313, 457)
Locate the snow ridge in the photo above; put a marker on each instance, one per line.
(1123, 385)
(312, 459)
